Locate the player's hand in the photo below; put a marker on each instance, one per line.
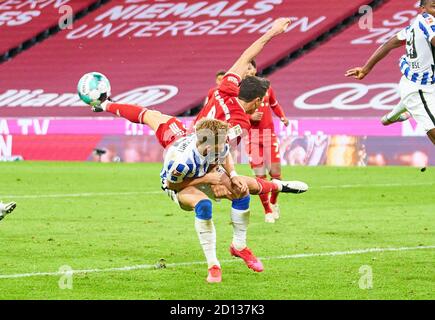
(239, 184)
(257, 116)
(213, 178)
(220, 191)
(279, 26)
(285, 121)
(357, 73)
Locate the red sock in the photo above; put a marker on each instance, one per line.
(274, 196)
(264, 197)
(130, 112)
(266, 186)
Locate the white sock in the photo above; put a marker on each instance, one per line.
(207, 238)
(104, 105)
(240, 220)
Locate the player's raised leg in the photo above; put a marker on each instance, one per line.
(398, 114)
(259, 186)
(194, 199)
(167, 128)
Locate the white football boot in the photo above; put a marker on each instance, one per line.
(6, 208)
(291, 186)
(275, 211)
(268, 218)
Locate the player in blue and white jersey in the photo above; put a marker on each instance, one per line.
(198, 167)
(417, 86)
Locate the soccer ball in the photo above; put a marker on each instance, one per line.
(93, 88)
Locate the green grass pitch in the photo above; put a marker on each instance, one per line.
(91, 216)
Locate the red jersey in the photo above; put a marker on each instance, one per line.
(223, 105)
(269, 103)
(209, 95)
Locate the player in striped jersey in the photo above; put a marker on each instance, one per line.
(196, 167)
(417, 86)
(6, 208)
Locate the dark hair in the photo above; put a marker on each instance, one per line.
(423, 3)
(220, 73)
(252, 88)
(254, 64)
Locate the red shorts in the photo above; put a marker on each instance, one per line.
(264, 152)
(170, 131)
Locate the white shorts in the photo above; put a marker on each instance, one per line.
(419, 101)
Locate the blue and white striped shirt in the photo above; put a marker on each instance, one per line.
(418, 65)
(183, 160)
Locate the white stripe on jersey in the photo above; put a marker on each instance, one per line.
(223, 105)
(175, 129)
(418, 65)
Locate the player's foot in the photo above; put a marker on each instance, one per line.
(275, 211)
(214, 275)
(269, 218)
(291, 186)
(101, 107)
(246, 254)
(403, 117)
(6, 208)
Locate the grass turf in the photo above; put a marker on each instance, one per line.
(346, 209)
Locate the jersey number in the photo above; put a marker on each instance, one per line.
(410, 46)
(212, 113)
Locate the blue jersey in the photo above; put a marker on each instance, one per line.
(183, 160)
(418, 65)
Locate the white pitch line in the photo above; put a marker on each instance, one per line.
(80, 195)
(346, 186)
(103, 194)
(181, 264)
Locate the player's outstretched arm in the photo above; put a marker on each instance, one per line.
(242, 64)
(383, 51)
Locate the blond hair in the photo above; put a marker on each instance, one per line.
(211, 130)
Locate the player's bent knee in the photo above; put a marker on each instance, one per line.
(203, 209)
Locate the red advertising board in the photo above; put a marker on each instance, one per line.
(20, 20)
(161, 54)
(315, 86)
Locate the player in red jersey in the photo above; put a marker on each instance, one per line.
(263, 147)
(239, 95)
(219, 76)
